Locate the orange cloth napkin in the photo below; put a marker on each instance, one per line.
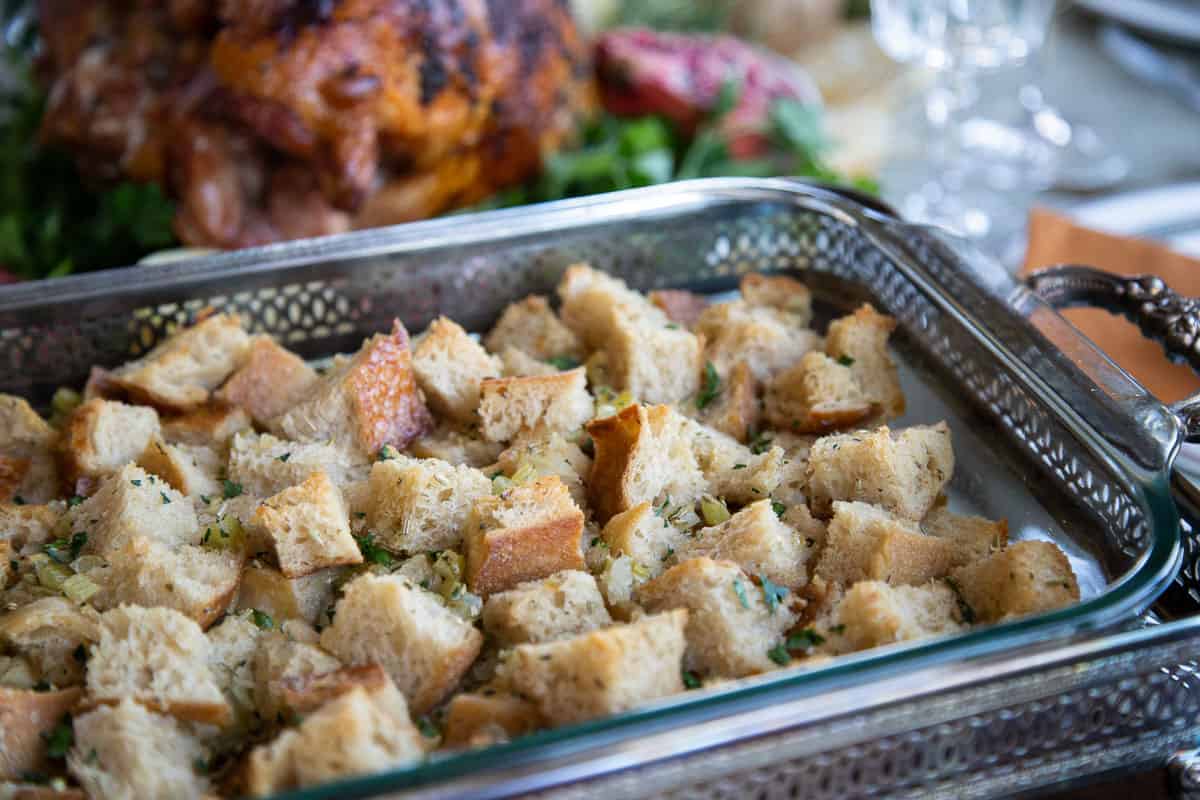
(1055, 239)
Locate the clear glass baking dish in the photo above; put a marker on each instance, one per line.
(1048, 432)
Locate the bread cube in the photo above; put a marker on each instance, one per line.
(279, 662)
(196, 581)
(264, 465)
(860, 339)
(368, 401)
(602, 672)
(268, 590)
(815, 395)
(549, 454)
(735, 410)
(357, 733)
(593, 303)
(27, 463)
(559, 402)
(902, 472)
(456, 447)
(26, 719)
(132, 503)
(656, 363)
(422, 505)
(479, 719)
(190, 469)
(304, 693)
(450, 365)
(425, 647)
(643, 454)
(101, 436)
(758, 541)
(874, 613)
(529, 532)
(231, 648)
(181, 372)
(126, 751)
(565, 604)
(731, 627)
(778, 291)
(308, 527)
(271, 381)
(767, 339)
(211, 426)
(976, 538)
(681, 307)
(48, 632)
(27, 527)
(159, 658)
(643, 535)
(1025, 578)
(519, 364)
(531, 327)
(732, 471)
(865, 542)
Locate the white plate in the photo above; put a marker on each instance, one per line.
(1172, 19)
(1171, 215)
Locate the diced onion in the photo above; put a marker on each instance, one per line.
(713, 510)
(79, 588)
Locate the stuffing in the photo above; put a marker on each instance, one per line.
(308, 527)
(859, 341)
(271, 381)
(28, 469)
(558, 402)
(263, 465)
(421, 505)
(565, 604)
(450, 366)
(531, 327)
(1024, 578)
(758, 541)
(456, 446)
(767, 339)
(190, 469)
(26, 720)
(815, 395)
(865, 542)
(478, 719)
(874, 613)
(101, 436)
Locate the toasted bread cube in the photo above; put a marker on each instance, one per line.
(264, 465)
(27, 527)
(308, 527)
(48, 632)
(815, 395)
(758, 541)
(778, 291)
(101, 436)
(903, 472)
(266, 589)
(642, 455)
(861, 339)
(559, 402)
(271, 381)
(681, 307)
(231, 648)
(602, 672)
(132, 503)
(279, 662)
(450, 366)
(422, 505)
(369, 401)
(594, 302)
(159, 658)
(767, 339)
(735, 410)
(191, 470)
(211, 426)
(528, 532)
(874, 613)
(976, 537)
(456, 447)
(644, 536)
(655, 363)
(730, 626)
(28, 469)
(549, 454)
(731, 470)
(519, 364)
(126, 751)
(479, 719)
(26, 719)
(182, 371)
(356, 733)
(197, 582)
(425, 647)
(303, 693)
(866, 543)
(1025, 578)
(565, 604)
(531, 327)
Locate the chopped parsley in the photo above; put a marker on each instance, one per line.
(805, 639)
(563, 363)
(166, 500)
(778, 508)
(740, 591)
(837, 629)
(690, 679)
(74, 501)
(427, 728)
(779, 655)
(231, 488)
(964, 608)
(371, 552)
(65, 550)
(598, 542)
(205, 499)
(387, 453)
(18, 500)
(773, 593)
(759, 443)
(711, 388)
(284, 457)
(845, 361)
(262, 619)
(59, 738)
(136, 482)
(739, 466)
(360, 514)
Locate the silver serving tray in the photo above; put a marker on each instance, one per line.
(1048, 433)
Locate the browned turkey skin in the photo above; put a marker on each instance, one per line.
(278, 119)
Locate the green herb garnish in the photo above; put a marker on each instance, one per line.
(845, 361)
(711, 388)
(740, 591)
(231, 489)
(59, 738)
(779, 655)
(690, 679)
(371, 552)
(773, 593)
(964, 608)
(563, 363)
(262, 619)
(805, 639)
(779, 508)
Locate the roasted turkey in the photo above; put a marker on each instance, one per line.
(277, 119)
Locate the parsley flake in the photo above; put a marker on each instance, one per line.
(166, 500)
(371, 552)
(964, 608)
(690, 679)
(136, 482)
(778, 508)
(845, 361)
(231, 489)
(284, 457)
(759, 443)
(74, 501)
(779, 655)
(427, 728)
(18, 500)
(59, 738)
(740, 591)
(711, 388)
(262, 619)
(563, 363)
(773, 593)
(804, 640)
